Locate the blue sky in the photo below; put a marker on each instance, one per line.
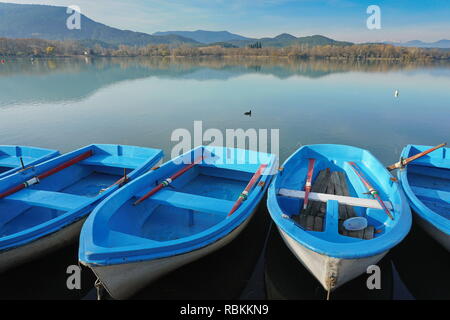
(401, 20)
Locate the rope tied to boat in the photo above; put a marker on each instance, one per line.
(99, 288)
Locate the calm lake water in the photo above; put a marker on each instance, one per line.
(68, 103)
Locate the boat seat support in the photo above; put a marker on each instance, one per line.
(50, 199)
(323, 197)
(192, 202)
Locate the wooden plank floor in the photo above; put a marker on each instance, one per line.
(313, 217)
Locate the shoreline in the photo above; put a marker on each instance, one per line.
(230, 57)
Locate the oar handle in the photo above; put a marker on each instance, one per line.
(404, 162)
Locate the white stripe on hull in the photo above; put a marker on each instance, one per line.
(123, 280)
(330, 272)
(435, 233)
(40, 247)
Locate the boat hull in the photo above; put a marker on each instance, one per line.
(439, 236)
(330, 272)
(19, 255)
(50, 214)
(425, 182)
(123, 280)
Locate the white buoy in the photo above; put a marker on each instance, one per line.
(396, 93)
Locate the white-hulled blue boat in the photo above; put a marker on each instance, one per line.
(350, 230)
(16, 158)
(136, 236)
(43, 208)
(426, 182)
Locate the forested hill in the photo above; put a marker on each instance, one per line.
(49, 22)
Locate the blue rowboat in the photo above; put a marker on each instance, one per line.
(426, 182)
(130, 240)
(344, 229)
(16, 158)
(43, 208)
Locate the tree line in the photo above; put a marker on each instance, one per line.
(48, 48)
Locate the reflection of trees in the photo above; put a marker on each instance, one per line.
(72, 79)
(357, 52)
(230, 66)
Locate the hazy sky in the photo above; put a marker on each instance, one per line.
(401, 20)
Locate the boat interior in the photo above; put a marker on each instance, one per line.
(68, 190)
(10, 157)
(429, 179)
(199, 199)
(333, 175)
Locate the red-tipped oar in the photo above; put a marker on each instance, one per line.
(46, 174)
(168, 181)
(371, 189)
(308, 183)
(404, 162)
(243, 196)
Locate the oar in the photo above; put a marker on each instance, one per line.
(404, 162)
(308, 183)
(370, 188)
(243, 196)
(44, 175)
(119, 182)
(168, 181)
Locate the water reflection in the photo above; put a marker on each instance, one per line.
(72, 79)
(67, 103)
(141, 101)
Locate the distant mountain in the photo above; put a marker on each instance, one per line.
(203, 36)
(285, 37)
(227, 39)
(286, 40)
(442, 44)
(49, 22)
